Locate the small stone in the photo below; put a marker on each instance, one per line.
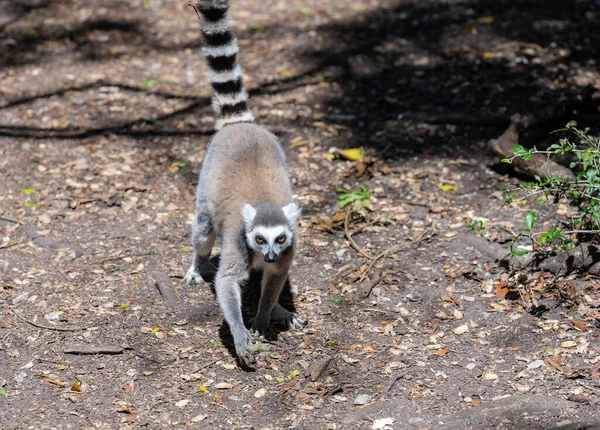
(53, 316)
(535, 364)
(131, 372)
(362, 399)
(260, 393)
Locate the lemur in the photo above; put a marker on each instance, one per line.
(244, 195)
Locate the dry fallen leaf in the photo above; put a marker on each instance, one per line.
(53, 381)
(568, 344)
(450, 299)
(441, 351)
(76, 387)
(461, 329)
(489, 375)
(555, 364)
(580, 326)
(223, 386)
(182, 403)
(500, 307)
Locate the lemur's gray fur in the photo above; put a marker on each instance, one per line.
(244, 195)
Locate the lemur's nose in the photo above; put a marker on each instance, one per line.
(271, 257)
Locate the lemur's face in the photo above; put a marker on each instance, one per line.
(269, 228)
(270, 241)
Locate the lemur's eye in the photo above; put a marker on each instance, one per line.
(281, 239)
(260, 240)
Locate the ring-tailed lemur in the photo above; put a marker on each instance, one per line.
(244, 195)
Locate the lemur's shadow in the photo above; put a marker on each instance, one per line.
(250, 298)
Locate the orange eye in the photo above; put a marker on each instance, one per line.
(260, 240)
(281, 239)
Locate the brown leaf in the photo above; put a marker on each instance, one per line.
(76, 387)
(500, 307)
(580, 326)
(501, 289)
(451, 300)
(555, 364)
(441, 351)
(476, 402)
(54, 381)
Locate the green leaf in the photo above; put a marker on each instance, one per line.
(530, 219)
(149, 82)
(123, 305)
(279, 379)
(518, 150)
(505, 160)
(292, 374)
(146, 5)
(258, 28)
(549, 236)
(345, 197)
(519, 252)
(185, 249)
(28, 191)
(2, 392)
(304, 10)
(337, 299)
(31, 205)
(178, 164)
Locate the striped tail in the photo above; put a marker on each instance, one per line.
(230, 99)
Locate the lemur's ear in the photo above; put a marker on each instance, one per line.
(292, 212)
(248, 213)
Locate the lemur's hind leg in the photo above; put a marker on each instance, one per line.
(203, 239)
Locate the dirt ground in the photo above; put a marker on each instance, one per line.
(104, 121)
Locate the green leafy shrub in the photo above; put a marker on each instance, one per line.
(581, 191)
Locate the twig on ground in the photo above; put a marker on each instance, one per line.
(47, 327)
(592, 389)
(392, 249)
(93, 350)
(8, 219)
(348, 235)
(207, 365)
(105, 260)
(389, 386)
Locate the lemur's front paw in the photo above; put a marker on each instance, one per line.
(244, 351)
(193, 277)
(281, 317)
(264, 327)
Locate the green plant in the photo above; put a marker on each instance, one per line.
(581, 191)
(346, 197)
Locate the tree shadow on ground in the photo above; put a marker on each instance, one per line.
(411, 77)
(429, 76)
